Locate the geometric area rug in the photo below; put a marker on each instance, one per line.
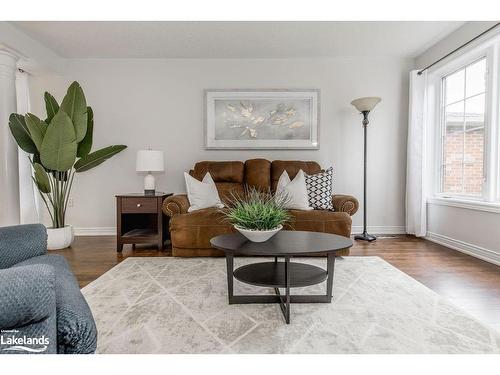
(179, 305)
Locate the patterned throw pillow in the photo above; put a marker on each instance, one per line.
(320, 190)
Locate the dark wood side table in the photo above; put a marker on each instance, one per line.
(140, 219)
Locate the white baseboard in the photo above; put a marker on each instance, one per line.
(97, 231)
(356, 229)
(379, 229)
(466, 248)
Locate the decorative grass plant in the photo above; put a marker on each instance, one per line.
(256, 210)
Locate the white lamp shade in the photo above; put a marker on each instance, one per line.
(366, 104)
(149, 161)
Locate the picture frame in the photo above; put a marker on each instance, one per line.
(262, 119)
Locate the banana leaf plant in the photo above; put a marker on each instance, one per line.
(59, 147)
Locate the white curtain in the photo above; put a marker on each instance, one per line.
(416, 192)
(29, 203)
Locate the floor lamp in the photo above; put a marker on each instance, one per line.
(364, 106)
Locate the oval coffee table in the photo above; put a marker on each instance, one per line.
(285, 274)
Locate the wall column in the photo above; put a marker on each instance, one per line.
(9, 173)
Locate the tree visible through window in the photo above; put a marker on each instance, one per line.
(464, 98)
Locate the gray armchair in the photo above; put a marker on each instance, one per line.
(41, 307)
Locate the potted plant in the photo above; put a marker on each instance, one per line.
(58, 148)
(256, 215)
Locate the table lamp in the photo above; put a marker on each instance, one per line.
(364, 106)
(149, 161)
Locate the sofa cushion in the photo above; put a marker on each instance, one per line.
(221, 171)
(292, 167)
(227, 175)
(21, 242)
(27, 296)
(321, 221)
(76, 330)
(258, 174)
(195, 229)
(228, 190)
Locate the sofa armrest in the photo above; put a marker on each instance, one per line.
(345, 203)
(21, 242)
(27, 296)
(176, 204)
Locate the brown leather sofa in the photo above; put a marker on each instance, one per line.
(191, 232)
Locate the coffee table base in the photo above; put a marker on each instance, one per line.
(283, 299)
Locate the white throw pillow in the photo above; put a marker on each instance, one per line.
(295, 191)
(202, 194)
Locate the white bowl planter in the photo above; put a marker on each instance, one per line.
(258, 235)
(59, 238)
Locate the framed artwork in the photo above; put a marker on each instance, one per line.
(262, 119)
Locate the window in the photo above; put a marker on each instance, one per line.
(463, 104)
(463, 138)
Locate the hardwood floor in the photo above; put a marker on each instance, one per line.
(470, 283)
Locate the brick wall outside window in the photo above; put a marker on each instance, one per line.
(463, 158)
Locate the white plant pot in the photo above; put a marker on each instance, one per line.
(59, 238)
(258, 235)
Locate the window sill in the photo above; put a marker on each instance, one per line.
(467, 204)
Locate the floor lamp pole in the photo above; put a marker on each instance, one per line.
(365, 236)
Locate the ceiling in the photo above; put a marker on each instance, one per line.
(137, 39)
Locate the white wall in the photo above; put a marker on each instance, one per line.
(454, 40)
(474, 232)
(159, 104)
(467, 230)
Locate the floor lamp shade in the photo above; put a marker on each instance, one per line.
(366, 103)
(364, 106)
(149, 161)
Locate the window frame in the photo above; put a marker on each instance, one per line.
(491, 166)
(495, 128)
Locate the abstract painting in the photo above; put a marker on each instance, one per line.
(262, 119)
